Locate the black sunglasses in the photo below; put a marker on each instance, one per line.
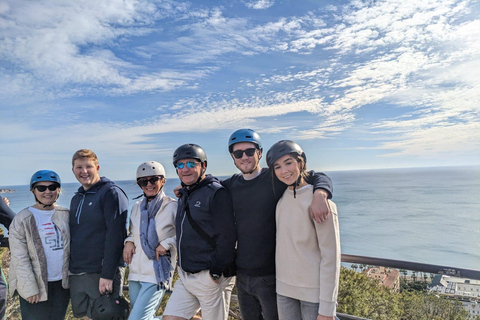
(144, 182)
(51, 187)
(238, 154)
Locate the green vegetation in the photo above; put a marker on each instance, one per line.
(362, 296)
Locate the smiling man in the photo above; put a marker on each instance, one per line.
(98, 213)
(206, 236)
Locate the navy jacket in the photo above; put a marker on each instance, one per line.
(6, 214)
(98, 229)
(211, 208)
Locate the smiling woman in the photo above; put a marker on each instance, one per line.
(150, 249)
(40, 246)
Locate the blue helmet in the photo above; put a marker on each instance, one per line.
(45, 175)
(244, 135)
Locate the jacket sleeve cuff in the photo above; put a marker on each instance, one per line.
(215, 270)
(328, 309)
(165, 244)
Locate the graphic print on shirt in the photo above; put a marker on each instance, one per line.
(52, 236)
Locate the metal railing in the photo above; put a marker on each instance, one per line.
(414, 266)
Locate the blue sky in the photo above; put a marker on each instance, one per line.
(358, 84)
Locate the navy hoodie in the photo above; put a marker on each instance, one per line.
(97, 229)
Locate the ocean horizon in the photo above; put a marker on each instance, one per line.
(427, 215)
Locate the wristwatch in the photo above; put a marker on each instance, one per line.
(215, 276)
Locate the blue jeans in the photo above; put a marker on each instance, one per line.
(52, 309)
(294, 309)
(145, 297)
(257, 297)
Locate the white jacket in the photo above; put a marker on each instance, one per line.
(28, 265)
(141, 268)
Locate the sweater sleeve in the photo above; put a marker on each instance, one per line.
(26, 284)
(115, 207)
(320, 180)
(130, 225)
(169, 239)
(328, 236)
(226, 233)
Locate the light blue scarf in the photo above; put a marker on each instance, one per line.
(149, 239)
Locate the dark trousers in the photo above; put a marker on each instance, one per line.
(257, 297)
(52, 309)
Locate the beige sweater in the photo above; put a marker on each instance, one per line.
(307, 253)
(28, 265)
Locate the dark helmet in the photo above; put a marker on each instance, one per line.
(45, 175)
(282, 148)
(244, 135)
(108, 307)
(189, 150)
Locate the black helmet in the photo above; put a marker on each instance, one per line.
(109, 308)
(282, 148)
(244, 135)
(189, 150)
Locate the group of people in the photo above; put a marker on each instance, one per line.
(273, 228)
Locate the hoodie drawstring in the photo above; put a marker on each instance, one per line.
(79, 208)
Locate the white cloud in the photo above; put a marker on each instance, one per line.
(63, 45)
(259, 4)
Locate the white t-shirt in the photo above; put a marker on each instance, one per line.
(51, 241)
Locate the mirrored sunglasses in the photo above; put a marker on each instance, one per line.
(238, 154)
(51, 187)
(144, 182)
(189, 164)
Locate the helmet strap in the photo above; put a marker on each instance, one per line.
(43, 204)
(295, 184)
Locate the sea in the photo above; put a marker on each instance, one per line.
(426, 215)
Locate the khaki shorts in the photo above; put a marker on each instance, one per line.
(195, 291)
(84, 291)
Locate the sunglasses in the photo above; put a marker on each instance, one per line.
(238, 154)
(51, 187)
(189, 164)
(144, 182)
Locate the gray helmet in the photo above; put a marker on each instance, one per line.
(108, 307)
(150, 168)
(189, 150)
(244, 135)
(282, 148)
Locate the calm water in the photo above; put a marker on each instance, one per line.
(423, 215)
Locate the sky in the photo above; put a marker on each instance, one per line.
(358, 84)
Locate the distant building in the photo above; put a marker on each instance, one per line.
(387, 277)
(466, 289)
(473, 308)
(459, 287)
